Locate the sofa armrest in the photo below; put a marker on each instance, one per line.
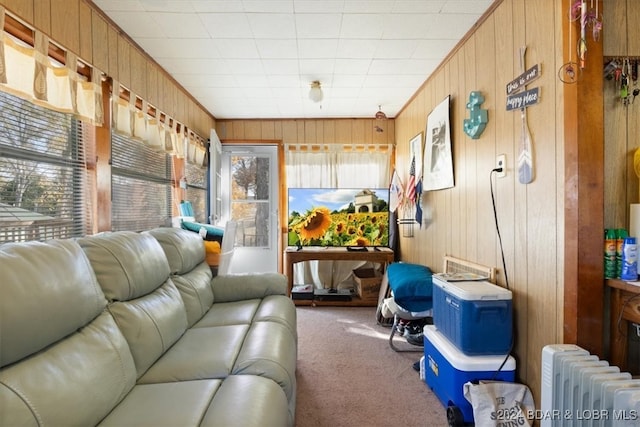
(236, 287)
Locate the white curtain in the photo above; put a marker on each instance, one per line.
(333, 166)
(363, 168)
(310, 169)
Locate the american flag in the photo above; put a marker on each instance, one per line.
(411, 185)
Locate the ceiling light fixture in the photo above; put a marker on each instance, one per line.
(315, 93)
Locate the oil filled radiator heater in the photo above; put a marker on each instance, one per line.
(580, 390)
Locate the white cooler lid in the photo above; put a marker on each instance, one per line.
(463, 362)
(473, 290)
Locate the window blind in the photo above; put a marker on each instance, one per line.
(140, 186)
(45, 190)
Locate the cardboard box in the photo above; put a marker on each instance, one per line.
(367, 282)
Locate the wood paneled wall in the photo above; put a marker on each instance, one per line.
(78, 26)
(460, 220)
(309, 131)
(622, 123)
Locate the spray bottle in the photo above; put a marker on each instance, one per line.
(629, 260)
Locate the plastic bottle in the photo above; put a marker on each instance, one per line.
(629, 260)
(610, 269)
(621, 234)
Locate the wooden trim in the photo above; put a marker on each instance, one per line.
(584, 200)
(452, 264)
(103, 163)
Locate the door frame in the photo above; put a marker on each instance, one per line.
(273, 151)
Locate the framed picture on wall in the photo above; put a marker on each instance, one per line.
(438, 158)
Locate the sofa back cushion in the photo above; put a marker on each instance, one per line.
(191, 275)
(48, 292)
(184, 249)
(134, 274)
(63, 360)
(127, 264)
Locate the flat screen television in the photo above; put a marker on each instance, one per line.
(351, 217)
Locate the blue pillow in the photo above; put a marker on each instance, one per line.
(411, 285)
(213, 232)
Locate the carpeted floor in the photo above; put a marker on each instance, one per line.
(349, 376)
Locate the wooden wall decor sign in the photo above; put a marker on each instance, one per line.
(518, 97)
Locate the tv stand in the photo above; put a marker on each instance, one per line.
(357, 249)
(292, 255)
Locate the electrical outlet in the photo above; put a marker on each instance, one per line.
(501, 162)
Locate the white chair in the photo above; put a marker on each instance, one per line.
(227, 247)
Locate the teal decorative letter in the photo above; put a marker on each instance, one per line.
(475, 124)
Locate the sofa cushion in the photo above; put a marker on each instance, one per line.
(235, 287)
(195, 289)
(268, 405)
(133, 271)
(230, 313)
(201, 353)
(272, 308)
(48, 292)
(192, 276)
(127, 264)
(169, 404)
(269, 351)
(184, 249)
(238, 401)
(266, 349)
(151, 324)
(76, 381)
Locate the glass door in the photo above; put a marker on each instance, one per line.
(250, 180)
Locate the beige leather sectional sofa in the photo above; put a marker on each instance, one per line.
(129, 329)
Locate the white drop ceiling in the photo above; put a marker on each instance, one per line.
(256, 59)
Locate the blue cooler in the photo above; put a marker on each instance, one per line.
(447, 369)
(476, 316)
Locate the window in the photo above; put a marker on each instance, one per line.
(197, 190)
(140, 185)
(45, 190)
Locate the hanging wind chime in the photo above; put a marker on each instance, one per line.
(571, 72)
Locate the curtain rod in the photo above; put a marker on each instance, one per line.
(338, 147)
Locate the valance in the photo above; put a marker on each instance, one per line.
(28, 72)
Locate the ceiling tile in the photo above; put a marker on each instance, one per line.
(226, 25)
(179, 48)
(317, 48)
(318, 25)
(272, 25)
(180, 25)
(257, 58)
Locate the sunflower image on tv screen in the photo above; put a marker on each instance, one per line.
(338, 217)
